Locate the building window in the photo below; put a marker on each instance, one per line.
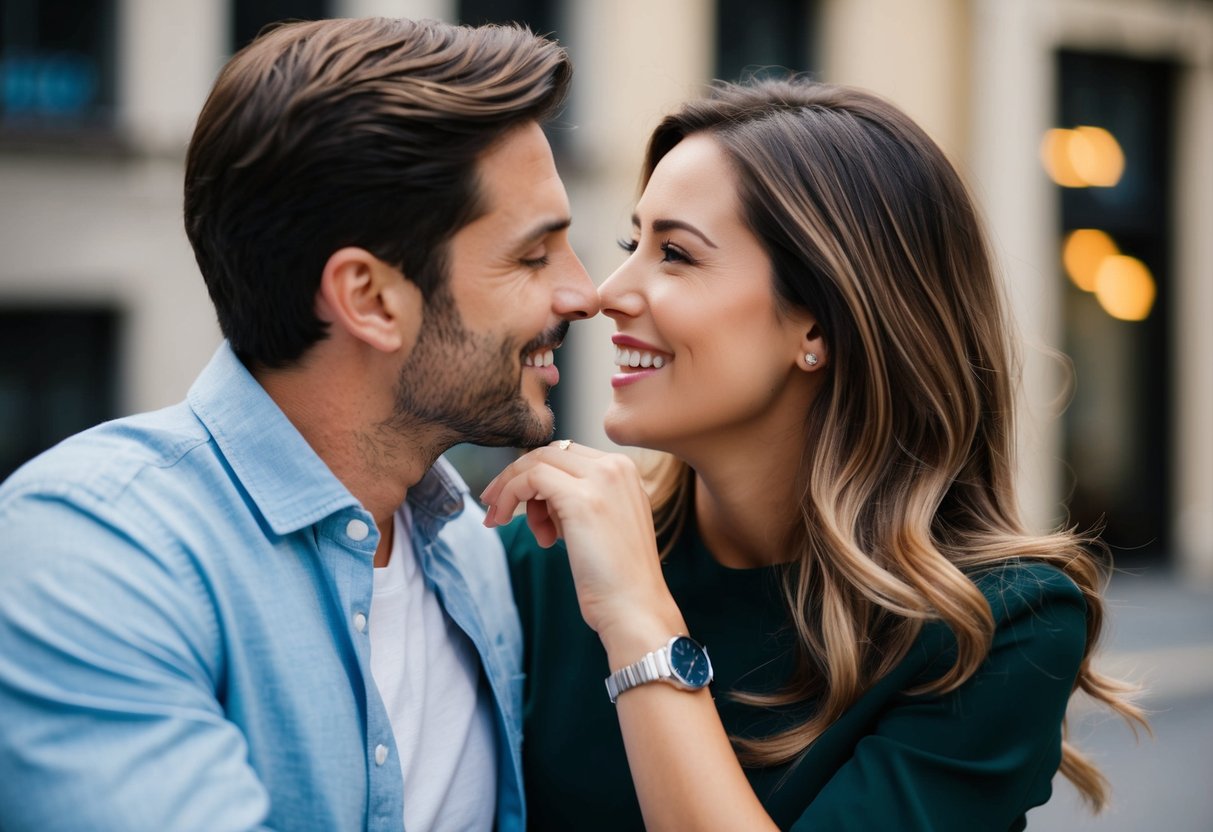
(757, 38)
(56, 64)
(249, 17)
(58, 376)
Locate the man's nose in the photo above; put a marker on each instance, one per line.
(575, 298)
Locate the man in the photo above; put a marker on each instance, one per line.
(227, 615)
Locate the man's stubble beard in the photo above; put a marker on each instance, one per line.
(459, 386)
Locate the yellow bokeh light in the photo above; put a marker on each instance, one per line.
(1083, 157)
(1083, 252)
(1125, 288)
(1096, 156)
(1055, 155)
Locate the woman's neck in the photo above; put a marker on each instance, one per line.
(746, 502)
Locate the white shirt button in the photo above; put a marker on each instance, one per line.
(360, 622)
(357, 530)
(380, 754)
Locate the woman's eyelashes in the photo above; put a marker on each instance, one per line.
(670, 253)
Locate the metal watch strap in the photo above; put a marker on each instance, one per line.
(651, 668)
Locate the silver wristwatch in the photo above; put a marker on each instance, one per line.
(682, 662)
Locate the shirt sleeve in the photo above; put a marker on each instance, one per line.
(109, 670)
(978, 757)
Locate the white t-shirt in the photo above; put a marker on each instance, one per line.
(428, 675)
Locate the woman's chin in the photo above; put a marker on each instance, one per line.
(622, 427)
(626, 430)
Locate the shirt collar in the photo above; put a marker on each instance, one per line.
(291, 486)
(438, 498)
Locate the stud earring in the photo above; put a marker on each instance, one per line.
(810, 358)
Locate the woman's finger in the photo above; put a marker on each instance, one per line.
(571, 459)
(543, 524)
(534, 483)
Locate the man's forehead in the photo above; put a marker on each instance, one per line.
(520, 187)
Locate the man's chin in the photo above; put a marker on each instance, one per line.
(544, 427)
(532, 431)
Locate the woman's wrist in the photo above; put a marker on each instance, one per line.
(631, 636)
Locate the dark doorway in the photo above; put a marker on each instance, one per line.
(1117, 428)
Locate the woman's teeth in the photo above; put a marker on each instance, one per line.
(638, 358)
(542, 358)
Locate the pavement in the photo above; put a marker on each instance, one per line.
(1160, 635)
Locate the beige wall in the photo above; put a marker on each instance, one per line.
(915, 54)
(416, 9)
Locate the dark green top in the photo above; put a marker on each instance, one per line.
(975, 759)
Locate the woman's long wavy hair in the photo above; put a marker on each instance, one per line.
(908, 483)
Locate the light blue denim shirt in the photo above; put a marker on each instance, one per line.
(182, 634)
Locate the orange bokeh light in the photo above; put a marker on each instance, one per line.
(1083, 252)
(1083, 157)
(1125, 288)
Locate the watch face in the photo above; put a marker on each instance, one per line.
(690, 662)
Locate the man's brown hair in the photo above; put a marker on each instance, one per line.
(337, 133)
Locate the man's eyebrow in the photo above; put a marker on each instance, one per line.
(667, 225)
(542, 230)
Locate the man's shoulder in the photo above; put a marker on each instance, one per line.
(102, 462)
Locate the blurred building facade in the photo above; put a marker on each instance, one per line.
(102, 311)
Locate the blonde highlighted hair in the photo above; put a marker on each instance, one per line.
(909, 481)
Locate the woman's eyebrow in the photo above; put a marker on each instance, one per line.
(668, 225)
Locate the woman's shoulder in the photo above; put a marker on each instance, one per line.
(1039, 613)
(1019, 587)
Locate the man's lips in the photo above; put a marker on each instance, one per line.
(551, 339)
(539, 356)
(542, 357)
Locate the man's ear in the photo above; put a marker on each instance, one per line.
(369, 299)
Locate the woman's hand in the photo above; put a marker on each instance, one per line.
(596, 501)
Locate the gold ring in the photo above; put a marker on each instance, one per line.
(563, 444)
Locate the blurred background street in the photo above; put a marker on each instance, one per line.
(1083, 127)
(1161, 633)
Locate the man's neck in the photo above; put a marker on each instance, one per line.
(377, 461)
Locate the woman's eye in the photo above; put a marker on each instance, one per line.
(670, 253)
(673, 254)
(535, 262)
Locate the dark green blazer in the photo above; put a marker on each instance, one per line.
(974, 759)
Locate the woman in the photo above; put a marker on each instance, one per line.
(810, 325)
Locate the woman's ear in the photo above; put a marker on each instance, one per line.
(370, 300)
(813, 353)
